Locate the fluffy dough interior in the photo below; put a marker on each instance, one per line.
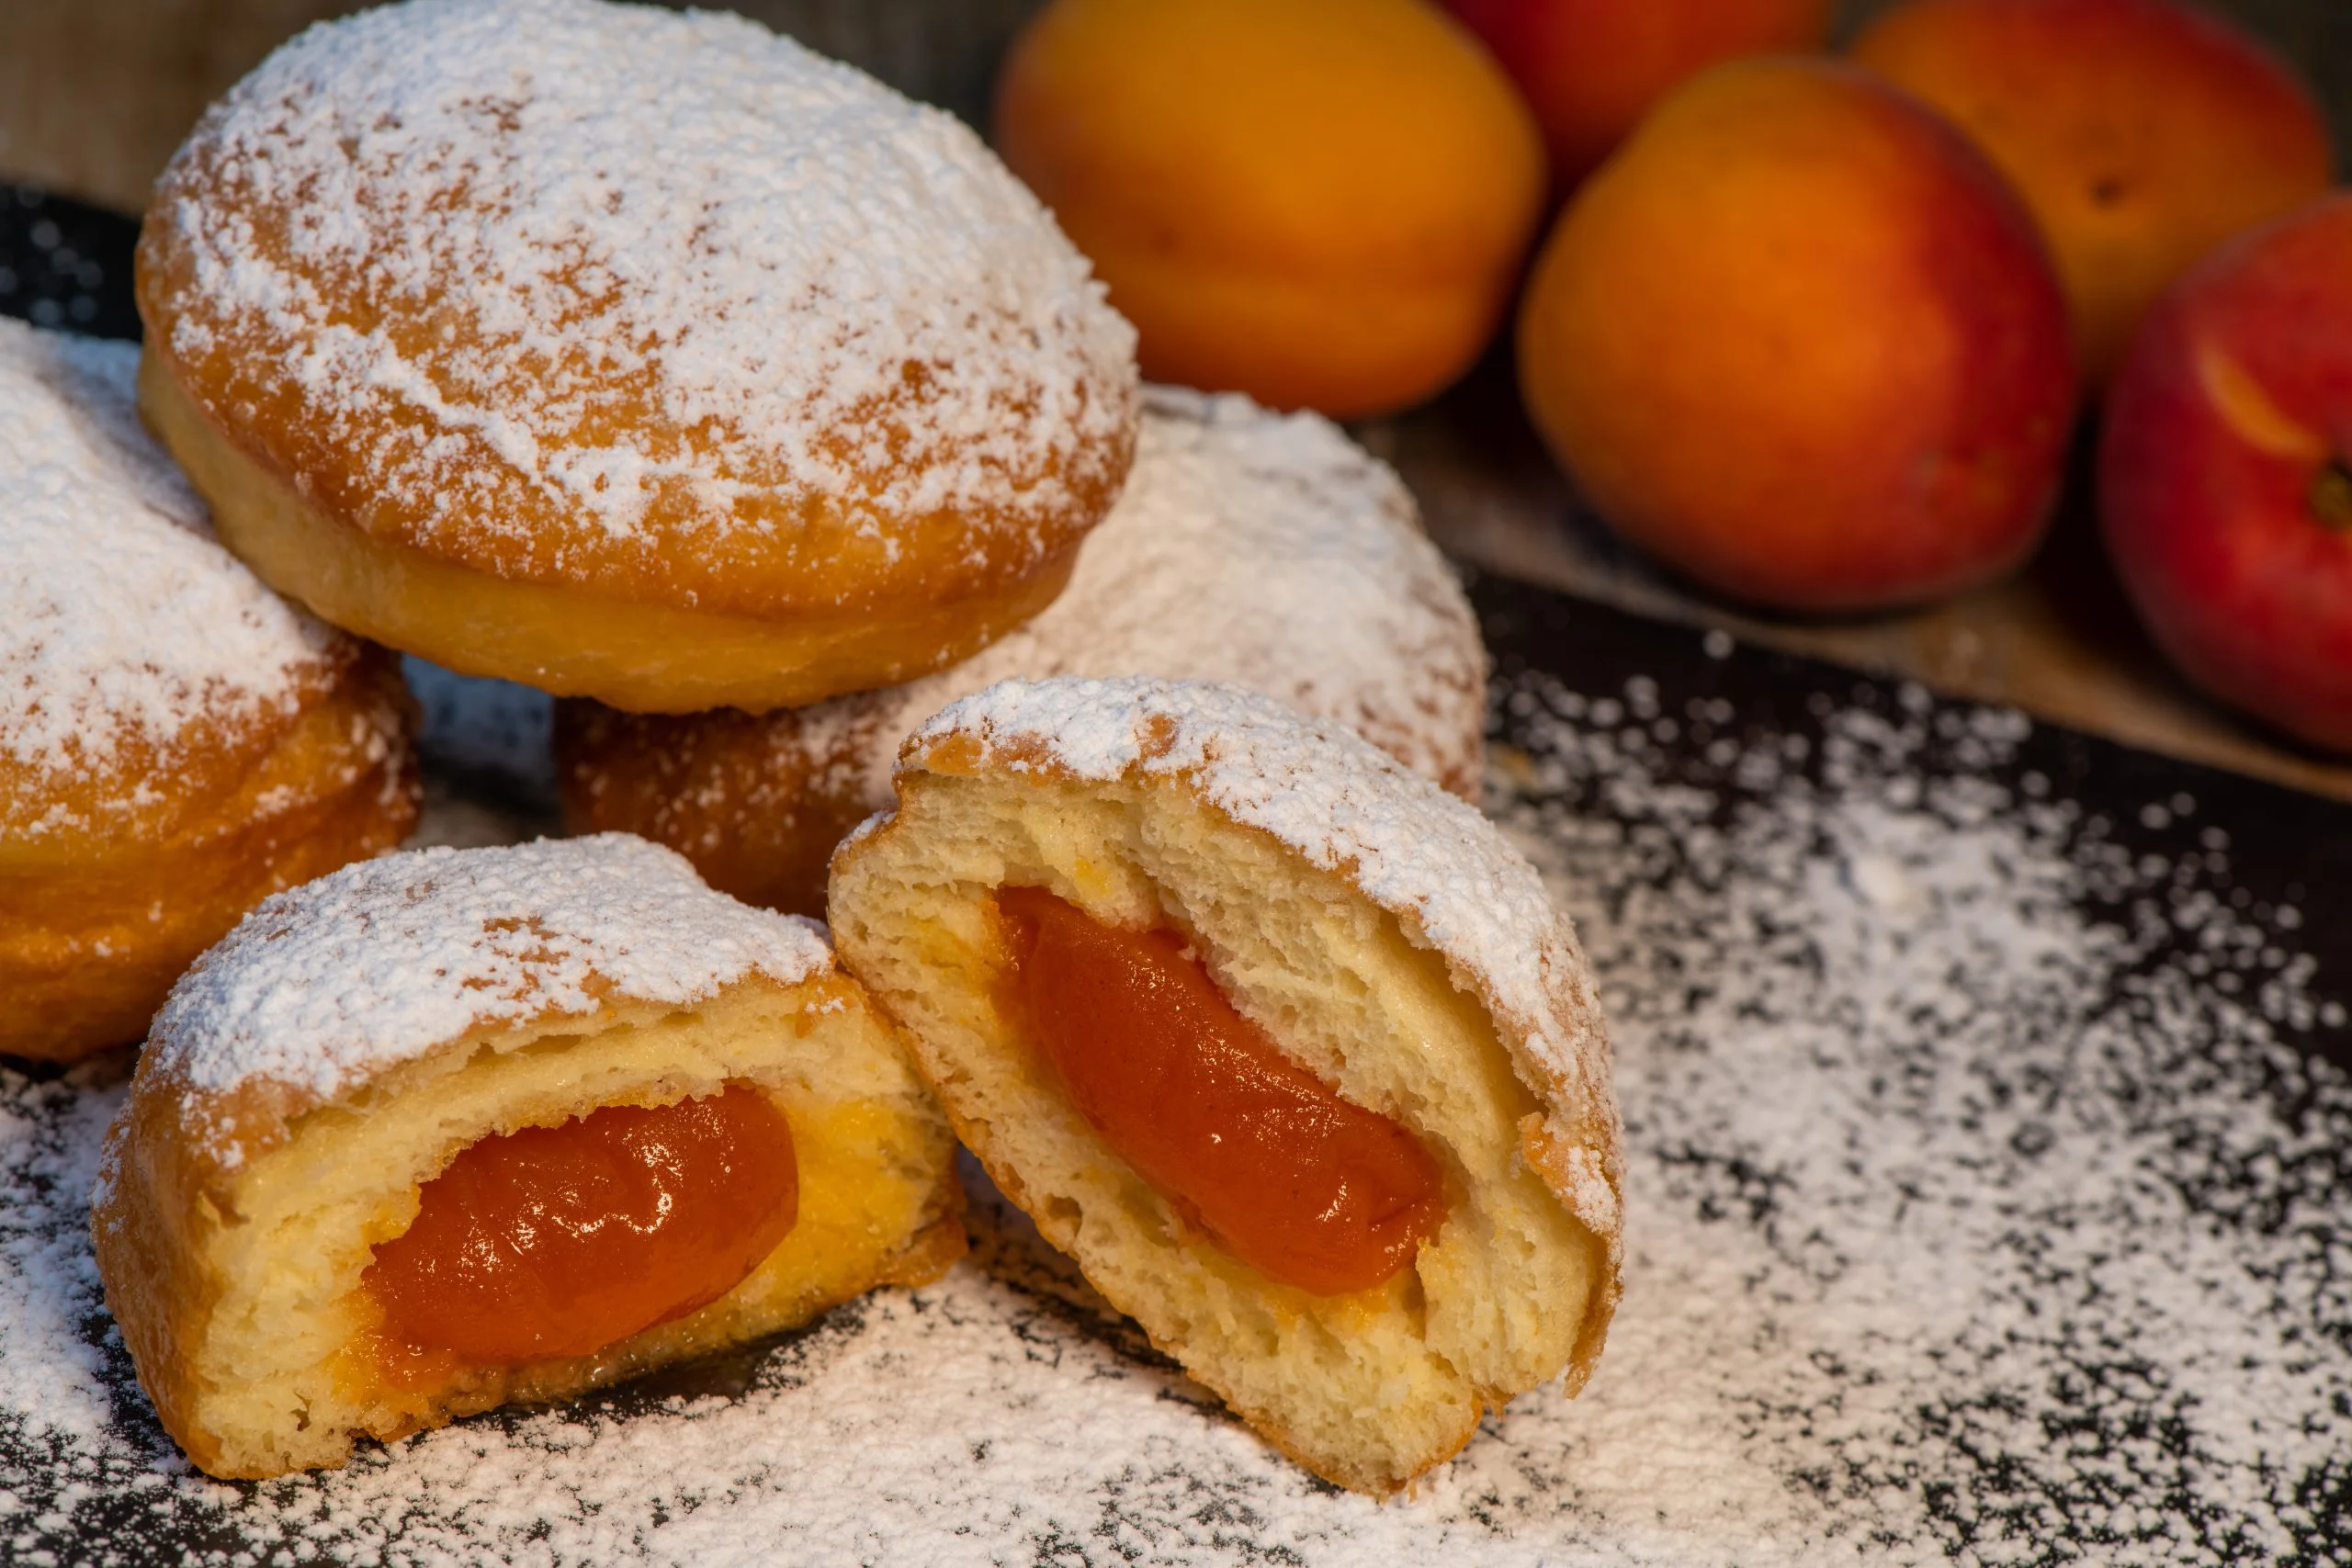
(1369, 1389)
(285, 1372)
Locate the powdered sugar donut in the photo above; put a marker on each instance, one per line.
(627, 354)
(1287, 1047)
(460, 1126)
(1249, 547)
(175, 741)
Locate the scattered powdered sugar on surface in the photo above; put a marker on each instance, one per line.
(672, 274)
(1261, 548)
(325, 985)
(1982, 1208)
(122, 621)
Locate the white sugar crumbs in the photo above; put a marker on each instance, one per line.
(1980, 1210)
(325, 985)
(122, 621)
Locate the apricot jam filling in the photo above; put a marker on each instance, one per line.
(558, 1241)
(1261, 1155)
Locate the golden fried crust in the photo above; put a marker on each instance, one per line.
(641, 654)
(747, 797)
(94, 927)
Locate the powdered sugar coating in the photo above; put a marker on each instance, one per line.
(1261, 548)
(670, 276)
(325, 987)
(1457, 885)
(122, 621)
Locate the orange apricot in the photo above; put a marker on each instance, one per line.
(1322, 203)
(1800, 340)
(2141, 132)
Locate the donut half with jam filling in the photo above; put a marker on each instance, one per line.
(1283, 1043)
(452, 1129)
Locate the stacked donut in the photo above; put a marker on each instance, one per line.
(177, 742)
(763, 418)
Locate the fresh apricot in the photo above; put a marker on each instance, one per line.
(1592, 68)
(2141, 132)
(1799, 339)
(1322, 203)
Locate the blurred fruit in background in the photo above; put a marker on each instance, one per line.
(1322, 203)
(1592, 68)
(1801, 340)
(2141, 132)
(2225, 473)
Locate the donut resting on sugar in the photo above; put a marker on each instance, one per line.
(177, 742)
(316, 1074)
(1376, 931)
(1249, 547)
(627, 354)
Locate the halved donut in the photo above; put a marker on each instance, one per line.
(177, 742)
(627, 354)
(455, 1128)
(1284, 1045)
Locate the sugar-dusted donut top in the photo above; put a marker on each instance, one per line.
(127, 633)
(1261, 548)
(574, 291)
(325, 985)
(1455, 885)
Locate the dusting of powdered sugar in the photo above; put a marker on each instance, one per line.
(1984, 1208)
(670, 276)
(122, 621)
(325, 985)
(1264, 549)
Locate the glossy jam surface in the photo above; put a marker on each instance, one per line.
(560, 1241)
(1263, 1156)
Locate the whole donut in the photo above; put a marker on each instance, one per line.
(627, 354)
(177, 742)
(1250, 547)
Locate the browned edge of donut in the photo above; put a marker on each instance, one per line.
(92, 946)
(737, 794)
(636, 655)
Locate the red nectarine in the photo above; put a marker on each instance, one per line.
(2225, 473)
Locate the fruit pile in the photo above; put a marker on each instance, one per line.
(1814, 333)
